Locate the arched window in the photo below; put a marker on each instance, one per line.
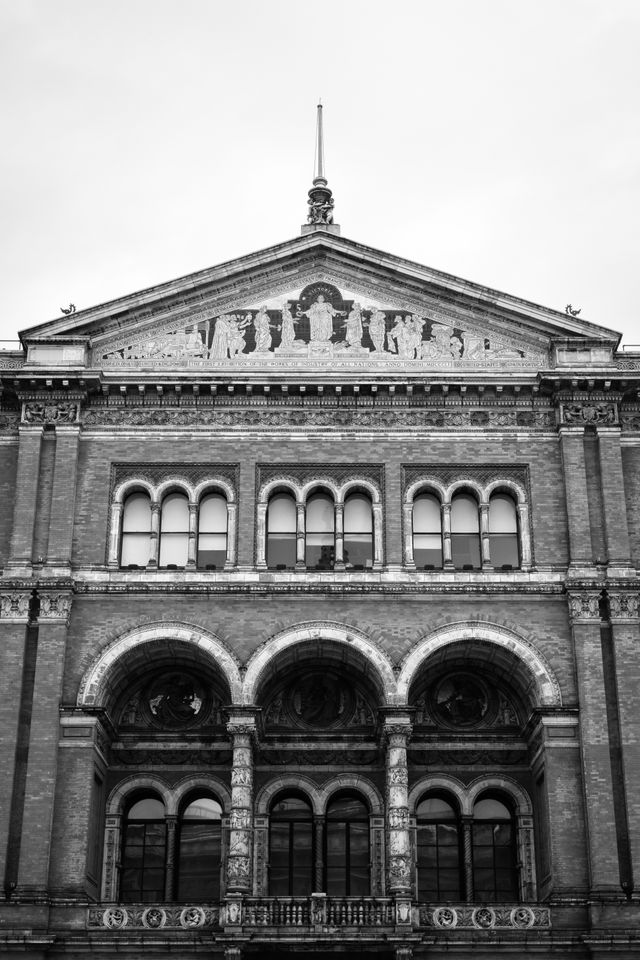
(135, 548)
(174, 531)
(358, 532)
(281, 532)
(198, 862)
(495, 873)
(427, 532)
(439, 873)
(465, 533)
(320, 533)
(503, 532)
(291, 865)
(347, 848)
(212, 532)
(144, 852)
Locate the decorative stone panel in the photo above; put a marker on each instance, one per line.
(154, 917)
(624, 606)
(463, 917)
(593, 413)
(584, 606)
(50, 411)
(15, 607)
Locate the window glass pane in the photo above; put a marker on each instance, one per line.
(291, 808)
(357, 514)
(490, 809)
(347, 808)
(281, 514)
(291, 863)
(503, 550)
(464, 514)
(136, 549)
(147, 809)
(281, 551)
(502, 515)
(175, 514)
(320, 514)
(435, 808)
(465, 550)
(137, 514)
(203, 807)
(427, 517)
(174, 549)
(212, 515)
(143, 858)
(212, 550)
(199, 859)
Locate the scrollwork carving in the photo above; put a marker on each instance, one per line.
(624, 606)
(46, 411)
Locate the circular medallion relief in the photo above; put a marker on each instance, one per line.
(320, 700)
(175, 699)
(461, 700)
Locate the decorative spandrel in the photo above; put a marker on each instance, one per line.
(320, 700)
(172, 701)
(317, 324)
(464, 701)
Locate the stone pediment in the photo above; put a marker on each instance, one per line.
(325, 303)
(319, 324)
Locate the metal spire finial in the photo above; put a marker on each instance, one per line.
(320, 198)
(318, 173)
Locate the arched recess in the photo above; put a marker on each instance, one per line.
(538, 678)
(210, 784)
(108, 670)
(149, 783)
(335, 640)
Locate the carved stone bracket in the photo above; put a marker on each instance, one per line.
(596, 413)
(584, 606)
(624, 606)
(15, 607)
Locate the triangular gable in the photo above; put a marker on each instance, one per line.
(317, 301)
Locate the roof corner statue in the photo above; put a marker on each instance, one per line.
(320, 196)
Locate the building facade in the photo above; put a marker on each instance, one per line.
(319, 616)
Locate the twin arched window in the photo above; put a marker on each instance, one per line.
(467, 542)
(339, 844)
(183, 537)
(166, 861)
(322, 542)
(482, 870)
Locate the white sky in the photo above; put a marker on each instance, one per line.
(146, 139)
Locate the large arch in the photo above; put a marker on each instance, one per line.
(544, 680)
(96, 682)
(318, 630)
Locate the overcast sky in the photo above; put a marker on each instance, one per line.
(497, 140)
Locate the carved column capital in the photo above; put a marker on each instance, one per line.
(584, 606)
(55, 606)
(14, 607)
(624, 606)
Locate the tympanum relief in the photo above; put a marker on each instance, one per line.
(318, 701)
(319, 323)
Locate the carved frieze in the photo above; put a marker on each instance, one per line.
(357, 418)
(485, 918)
(320, 323)
(154, 916)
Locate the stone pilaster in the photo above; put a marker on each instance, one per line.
(25, 503)
(242, 731)
(63, 497)
(624, 617)
(14, 616)
(42, 761)
(614, 502)
(594, 737)
(577, 501)
(396, 731)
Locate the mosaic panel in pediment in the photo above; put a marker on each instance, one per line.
(324, 322)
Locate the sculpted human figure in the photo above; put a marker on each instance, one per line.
(321, 316)
(262, 328)
(288, 330)
(377, 329)
(237, 334)
(353, 332)
(220, 343)
(401, 333)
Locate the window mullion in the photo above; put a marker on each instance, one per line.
(171, 823)
(467, 854)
